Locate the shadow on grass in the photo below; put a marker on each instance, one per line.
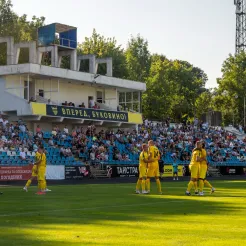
(78, 206)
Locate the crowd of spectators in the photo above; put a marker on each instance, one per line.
(175, 141)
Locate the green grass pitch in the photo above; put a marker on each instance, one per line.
(111, 214)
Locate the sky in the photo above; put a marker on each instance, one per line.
(201, 32)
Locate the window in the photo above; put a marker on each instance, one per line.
(129, 101)
(99, 96)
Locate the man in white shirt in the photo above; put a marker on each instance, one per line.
(23, 154)
(65, 129)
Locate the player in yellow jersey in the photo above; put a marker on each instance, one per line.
(41, 157)
(194, 167)
(203, 172)
(34, 176)
(153, 166)
(143, 162)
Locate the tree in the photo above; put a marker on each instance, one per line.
(138, 59)
(231, 90)
(17, 26)
(172, 88)
(204, 103)
(104, 47)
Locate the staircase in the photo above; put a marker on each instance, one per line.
(214, 171)
(240, 135)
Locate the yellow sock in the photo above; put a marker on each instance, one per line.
(143, 185)
(42, 185)
(148, 184)
(138, 184)
(201, 185)
(28, 183)
(206, 183)
(190, 185)
(158, 183)
(195, 185)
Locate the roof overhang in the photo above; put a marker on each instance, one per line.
(70, 75)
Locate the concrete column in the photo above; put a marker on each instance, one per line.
(10, 49)
(73, 60)
(109, 63)
(92, 62)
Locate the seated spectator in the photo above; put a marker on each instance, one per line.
(96, 106)
(54, 132)
(32, 100)
(82, 105)
(65, 103)
(51, 142)
(65, 129)
(22, 154)
(38, 129)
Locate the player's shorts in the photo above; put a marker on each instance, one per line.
(176, 172)
(34, 171)
(203, 171)
(41, 173)
(194, 171)
(142, 171)
(153, 170)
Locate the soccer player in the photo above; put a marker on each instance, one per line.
(34, 175)
(203, 172)
(41, 157)
(175, 169)
(143, 162)
(153, 166)
(194, 167)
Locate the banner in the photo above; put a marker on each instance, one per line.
(168, 171)
(82, 113)
(76, 172)
(125, 171)
(15, 173)
(54, 172)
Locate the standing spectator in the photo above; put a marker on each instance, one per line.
(91, 102)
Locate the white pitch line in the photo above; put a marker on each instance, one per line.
(85, 209)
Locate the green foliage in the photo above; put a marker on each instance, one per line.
(172, 88)
(104, 47)
(17, 26)
(229, 96)
(138, 59)
(204, 103)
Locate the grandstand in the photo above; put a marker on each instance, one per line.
(77, 115)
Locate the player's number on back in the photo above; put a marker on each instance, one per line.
(156, 153)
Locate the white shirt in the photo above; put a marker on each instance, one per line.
(23, 155)
(65, 130)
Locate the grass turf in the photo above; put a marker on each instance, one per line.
(111, 214)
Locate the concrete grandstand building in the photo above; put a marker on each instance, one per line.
(37, 93)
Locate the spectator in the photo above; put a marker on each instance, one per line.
(22, 154)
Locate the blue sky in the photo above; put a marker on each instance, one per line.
(199, 31)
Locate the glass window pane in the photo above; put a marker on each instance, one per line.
(129, 106)
(122, 106)
(136, 107)
(128, 96)
(122, 97)
(135, 96)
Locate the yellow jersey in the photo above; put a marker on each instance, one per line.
(143, 155)
(204, 155)
(154, 153)
(195, 153)
(41, 157)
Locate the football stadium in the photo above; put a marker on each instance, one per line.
(112, 146)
